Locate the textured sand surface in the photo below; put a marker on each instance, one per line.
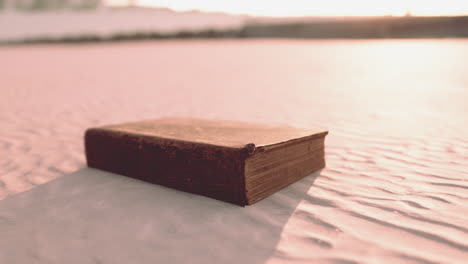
(395, 189)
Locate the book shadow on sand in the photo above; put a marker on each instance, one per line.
(92, 216)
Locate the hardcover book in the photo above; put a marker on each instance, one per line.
(236, 162)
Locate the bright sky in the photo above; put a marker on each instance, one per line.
(315, 7)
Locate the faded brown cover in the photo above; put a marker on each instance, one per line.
(205, 157)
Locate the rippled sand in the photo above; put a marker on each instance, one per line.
(395, 189)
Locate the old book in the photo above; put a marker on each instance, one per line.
(236, 162)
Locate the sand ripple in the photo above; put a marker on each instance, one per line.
(395, 188)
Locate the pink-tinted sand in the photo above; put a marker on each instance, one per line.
(395, 189)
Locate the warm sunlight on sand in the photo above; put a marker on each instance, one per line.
(394, 190)
(314, 8)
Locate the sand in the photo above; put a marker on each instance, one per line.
(394, 190)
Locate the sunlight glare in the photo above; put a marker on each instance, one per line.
(315, 8)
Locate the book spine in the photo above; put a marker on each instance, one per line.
(212, 171)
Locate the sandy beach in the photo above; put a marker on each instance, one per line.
(395, 189)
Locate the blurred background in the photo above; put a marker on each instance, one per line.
(99, 20)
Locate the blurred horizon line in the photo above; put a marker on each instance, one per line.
(96, 20)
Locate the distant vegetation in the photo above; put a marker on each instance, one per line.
(377, 27)
(203, 34)
(362, 28)
(45, 5)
